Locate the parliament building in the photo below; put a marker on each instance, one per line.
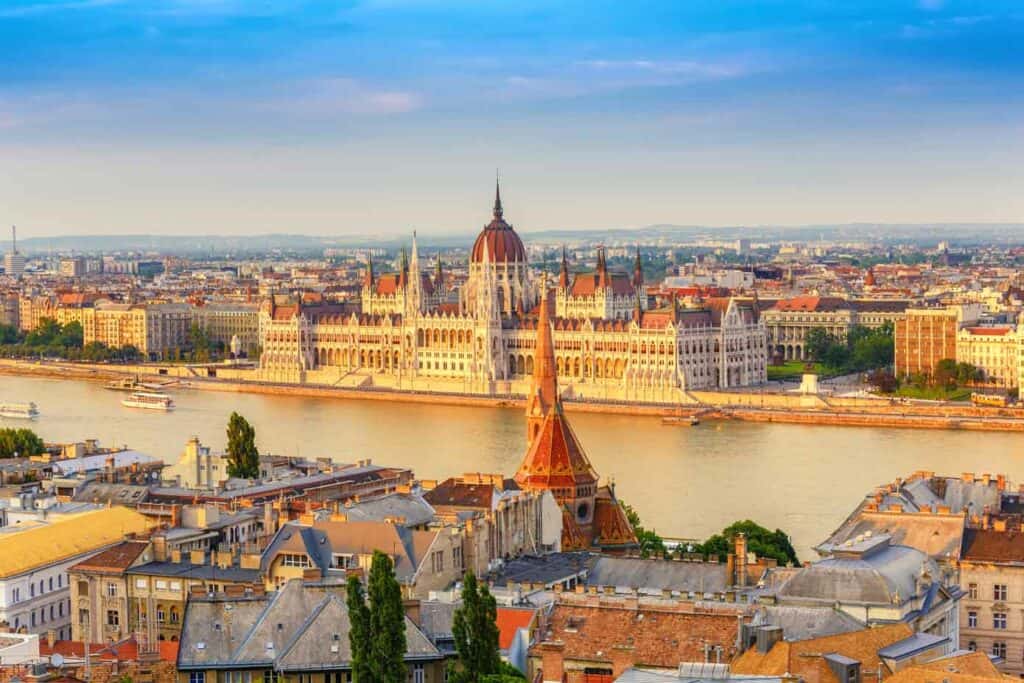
(411, 334)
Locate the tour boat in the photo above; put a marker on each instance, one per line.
(20, 411)
(149, 400)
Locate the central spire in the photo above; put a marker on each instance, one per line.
(497, 198)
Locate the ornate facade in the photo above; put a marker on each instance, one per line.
(411, 334)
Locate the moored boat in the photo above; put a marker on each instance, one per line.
(19, 411)
(148, 400)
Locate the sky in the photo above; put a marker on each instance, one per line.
(347, 117)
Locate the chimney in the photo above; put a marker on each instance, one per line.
(623, 658)
(1001, 482)
(552, 661)
(740, 548)
(767, 636)
(412, 610)
(51, 638)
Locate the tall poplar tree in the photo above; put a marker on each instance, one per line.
(475, 628)
(243, 458)
(387, 621)
(377, 635)
(359, 632)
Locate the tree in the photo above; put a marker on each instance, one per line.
(9, 335)
(387, 622)
(650, 542)
(45, 333)
(71, 335)
(816, 343)
(200, 343)
(359, 632)
(760, 541)
(20, 442)
(475, 628)
(243, 458)
(883, 380)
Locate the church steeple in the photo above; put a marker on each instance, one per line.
(602, 268)
(544, 385)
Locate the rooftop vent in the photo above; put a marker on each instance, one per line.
(200, 646)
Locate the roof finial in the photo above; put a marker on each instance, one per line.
(497, 195)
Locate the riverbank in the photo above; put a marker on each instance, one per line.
(749, 406)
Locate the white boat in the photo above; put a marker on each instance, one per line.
(149, 400)
(19, 411)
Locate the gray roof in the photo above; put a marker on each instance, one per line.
(119, 494)
(412, 508)
(547, 569)
(187, 570)
(912, 646)
(658, 575)
(299, 628)
(875, 573)
(802, 623)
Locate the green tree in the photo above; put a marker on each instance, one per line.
(387, 622)
(760, 541)
(71, 335)
(21, 442)
(816, 343)
(45, 333)
(200, 344)
(359, 632)
(9, 335)
(475, 628)
(243, 458)
(650, 542)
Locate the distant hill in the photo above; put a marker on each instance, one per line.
(923, 234)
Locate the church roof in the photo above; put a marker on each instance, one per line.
(555, 458)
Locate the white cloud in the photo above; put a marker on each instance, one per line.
(331, 96)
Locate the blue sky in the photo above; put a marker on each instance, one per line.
(240, 116)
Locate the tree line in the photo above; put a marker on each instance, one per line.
(20, 443)
(761, 541)
(53, 340)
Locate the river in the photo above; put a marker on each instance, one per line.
(683, 481)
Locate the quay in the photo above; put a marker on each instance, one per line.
(708, 406)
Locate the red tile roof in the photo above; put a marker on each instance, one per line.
(988, 545)
(510, 620)
(113, 560)
(990, 331)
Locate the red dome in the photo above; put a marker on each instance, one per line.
(503, 244)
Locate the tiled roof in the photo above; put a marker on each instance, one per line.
(803, 658)
(65, 539)
(510, 620)
(988, 545)
(455, 493)
(659, 635)
(555, 458)
(113, 560)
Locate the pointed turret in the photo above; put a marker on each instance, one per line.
(403, 269)
(602, 269)
(638, 272)
(368, 278)
(438, 274)
(563, 274)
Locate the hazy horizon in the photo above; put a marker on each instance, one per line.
(234, 117)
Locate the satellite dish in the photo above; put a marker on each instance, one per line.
(56, 660)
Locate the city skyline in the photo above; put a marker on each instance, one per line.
(121, 117)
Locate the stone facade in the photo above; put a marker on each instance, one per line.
(411, 335)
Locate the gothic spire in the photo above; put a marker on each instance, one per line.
(563, 274)
(438, 273)
(544, 389)
(497, 200)
(368, 280)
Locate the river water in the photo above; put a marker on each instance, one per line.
(684, 481)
